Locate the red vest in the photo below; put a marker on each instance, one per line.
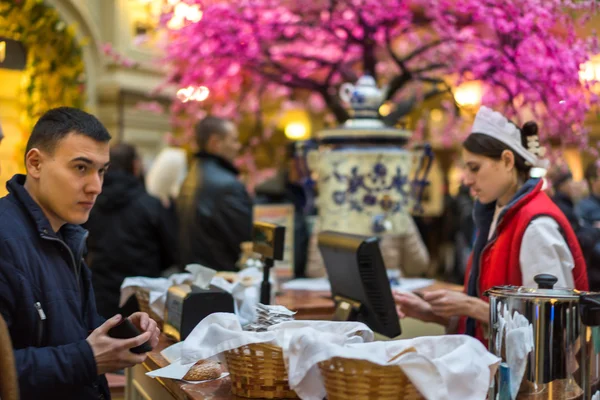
(499, 264)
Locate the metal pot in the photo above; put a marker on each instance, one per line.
(564, 362)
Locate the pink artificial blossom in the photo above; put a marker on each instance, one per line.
(526, 53)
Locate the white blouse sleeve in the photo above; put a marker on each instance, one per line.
(545, 251)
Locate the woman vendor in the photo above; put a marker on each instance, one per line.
(521, 232)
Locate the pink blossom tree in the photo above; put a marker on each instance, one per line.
(526, 54)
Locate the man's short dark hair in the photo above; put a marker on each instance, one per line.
(591, 174)
(208, 127)
(57, 123)
(122, 158)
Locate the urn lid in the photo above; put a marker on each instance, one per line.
(363, 100)
(545, 290)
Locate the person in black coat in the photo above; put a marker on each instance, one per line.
(131, 232)
(213, 208)
(284, 188)
(61, 345)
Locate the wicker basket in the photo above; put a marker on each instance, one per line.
(362, 380)
(257, 371)
(143, 298)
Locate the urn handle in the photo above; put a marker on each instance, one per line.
(346, 92)
(545, 281)
(420, 181)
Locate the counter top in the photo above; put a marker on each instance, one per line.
(309, 305)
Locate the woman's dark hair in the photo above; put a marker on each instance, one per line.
(487, 146)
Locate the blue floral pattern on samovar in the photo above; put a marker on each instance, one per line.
(368, 182)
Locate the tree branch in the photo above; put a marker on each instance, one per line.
(397, 60)
(397, 83)
(423, 49)
(335, 105)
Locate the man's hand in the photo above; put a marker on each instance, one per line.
(113, 354)
(146, 324)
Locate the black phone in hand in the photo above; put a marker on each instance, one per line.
(127, 330)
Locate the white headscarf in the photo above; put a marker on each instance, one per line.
(496, 125)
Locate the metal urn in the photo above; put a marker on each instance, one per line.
(550, 339)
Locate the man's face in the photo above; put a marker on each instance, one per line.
(228, 145)
(70, 179)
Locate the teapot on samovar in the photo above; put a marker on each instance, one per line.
(368, 181)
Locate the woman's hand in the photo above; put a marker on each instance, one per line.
(451, 303)
(412, 306)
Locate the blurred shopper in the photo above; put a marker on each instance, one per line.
(61, 345)
(285, 188)
(166, 174)
(589, 208)
(131, 233)
(565, 189)
(214, 208)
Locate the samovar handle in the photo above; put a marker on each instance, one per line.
(420, 182)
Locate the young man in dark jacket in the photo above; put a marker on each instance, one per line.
(62, 347)
(214, 209)
(131, 232)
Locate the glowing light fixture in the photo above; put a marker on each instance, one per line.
(193, 93)
(296, 131)
(385, 109)
(183, 12)
(469, 94)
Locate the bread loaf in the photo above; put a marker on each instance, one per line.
(203, 370)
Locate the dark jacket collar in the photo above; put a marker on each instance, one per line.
(72, 234)
(219, 160)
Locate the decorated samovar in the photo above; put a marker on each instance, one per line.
(368, 181)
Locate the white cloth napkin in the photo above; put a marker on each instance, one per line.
(519, 342)
(157, 288)
(444, 367)
(221, 332)
(245, 292)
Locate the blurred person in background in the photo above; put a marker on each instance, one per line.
(214, 208)
(131, 233)
(166, 174)
(285, 188)
(465, 235)
(564, 190)
(589, 208)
